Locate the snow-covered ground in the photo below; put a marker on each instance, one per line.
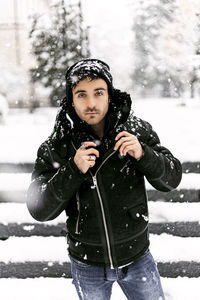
(62, 289)
(176, 125)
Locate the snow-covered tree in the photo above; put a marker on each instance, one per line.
(13, 84)
(58, 39)
(195, 73)
(166, 46)
(178, 47)
(149, 18)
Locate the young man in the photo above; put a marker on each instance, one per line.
(93, 166)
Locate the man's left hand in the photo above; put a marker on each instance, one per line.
(128, 143)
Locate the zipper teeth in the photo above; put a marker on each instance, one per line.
(104, 222)
(102, 208)
(78, 218)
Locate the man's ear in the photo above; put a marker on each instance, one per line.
(73, 104)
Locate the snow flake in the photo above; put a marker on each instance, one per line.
(43, 187)
(112, 186)
(56, 165)
(28, 227)
(144, 279)
(97, 142)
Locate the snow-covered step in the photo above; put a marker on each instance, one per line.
(21, 181)
(13, 188)
(165, 248)
(181, 195)
(183, 229)
(55, 269)
(159, 212)
(26, 167)
(180, 219)
(63, 289)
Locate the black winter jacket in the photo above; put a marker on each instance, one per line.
(106, 208)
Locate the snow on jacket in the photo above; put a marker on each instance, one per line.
(106, 208)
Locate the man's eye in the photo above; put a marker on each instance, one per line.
(99, 93)
(81, 95)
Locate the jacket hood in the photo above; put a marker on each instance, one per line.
(68, 121)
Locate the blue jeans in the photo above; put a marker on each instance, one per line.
(139, 281)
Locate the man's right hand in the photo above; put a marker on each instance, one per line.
(86, 158)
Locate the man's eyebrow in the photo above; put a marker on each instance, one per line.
(100, 88)
(84, 91)
(80, 91)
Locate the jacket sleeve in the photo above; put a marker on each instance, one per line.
(159, 166)
(52, 185)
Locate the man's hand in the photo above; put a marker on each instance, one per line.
(128, 143)
(85, 158)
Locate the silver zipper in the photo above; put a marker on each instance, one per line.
(78, 218)
(104, 223)
(102, 208)
(103, 213)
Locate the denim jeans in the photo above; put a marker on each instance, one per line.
(139, 281)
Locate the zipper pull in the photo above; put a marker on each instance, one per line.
(94, 182)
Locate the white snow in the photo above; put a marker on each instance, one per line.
(181, 288)
(20, 249)
(14, 182)
(18, 213)
(23, 134)
(176, 125)
(21, 182)
(47, 289)
(189, 181)
(178, 248)
(54, 249)
(159, 212)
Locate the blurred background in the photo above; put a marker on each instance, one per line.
(153, 47)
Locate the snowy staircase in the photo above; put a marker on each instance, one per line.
(30, 249)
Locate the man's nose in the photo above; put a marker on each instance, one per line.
(91, 102)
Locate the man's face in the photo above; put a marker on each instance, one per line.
(91, 100)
